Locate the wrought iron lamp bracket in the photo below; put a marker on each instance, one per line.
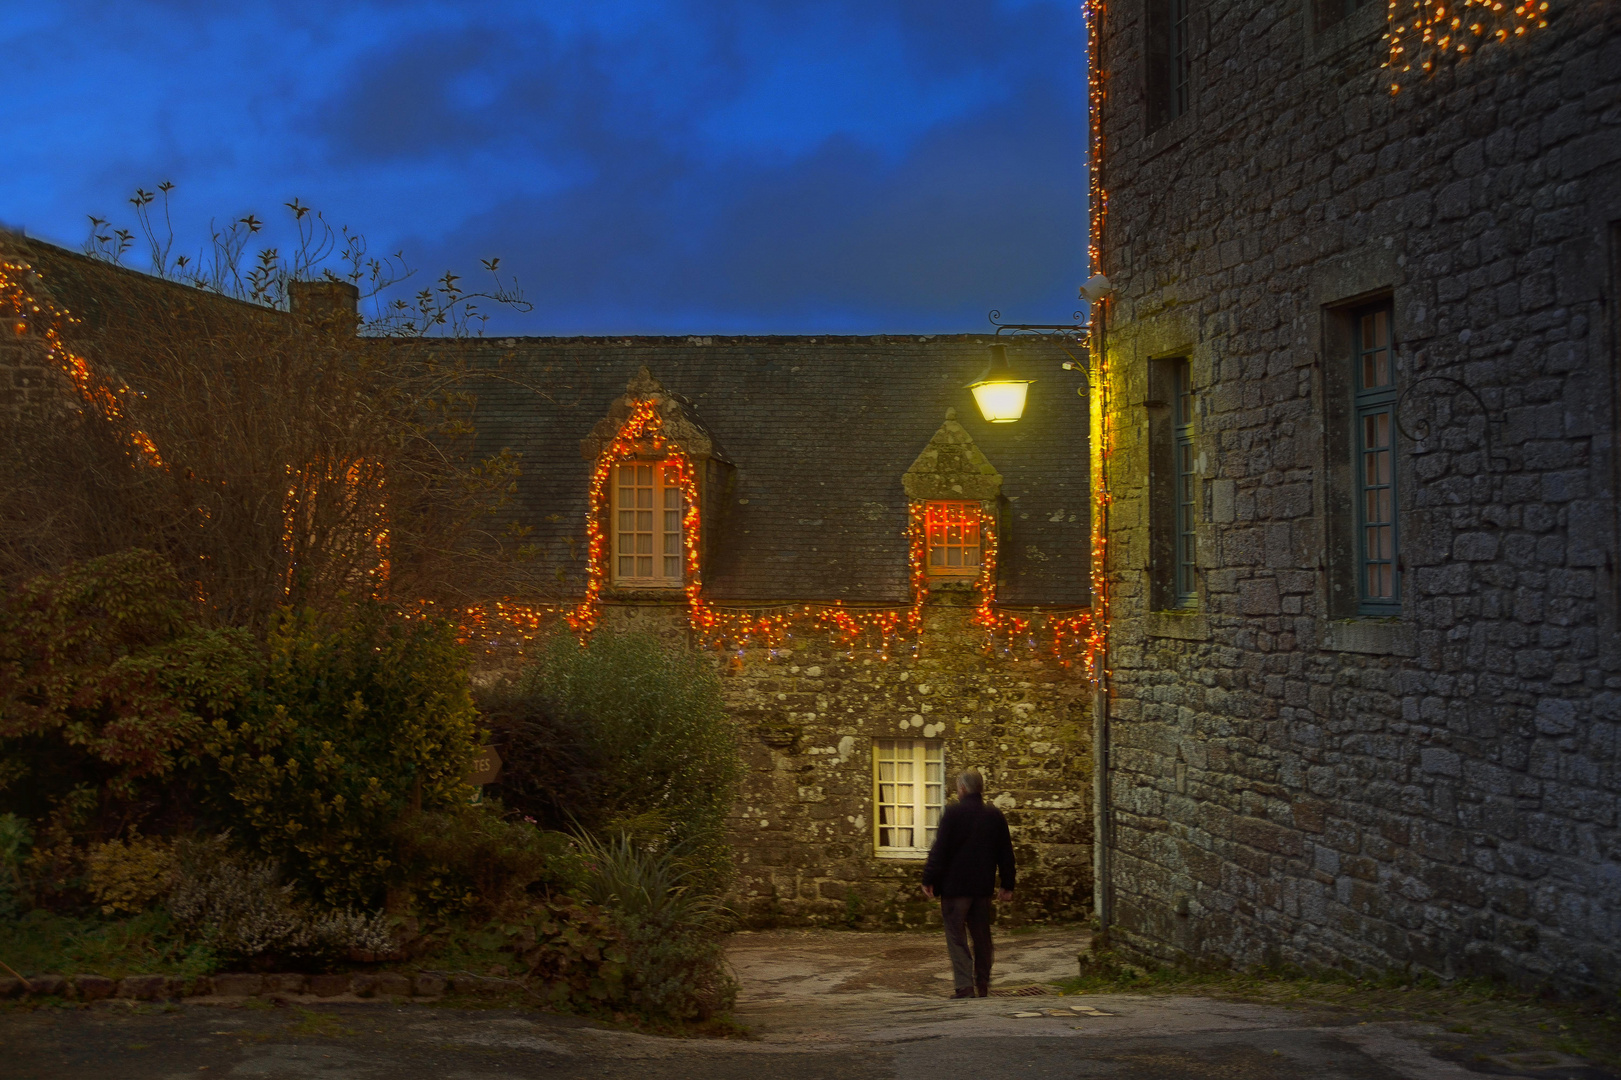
(1075, 333)
(1422, 428)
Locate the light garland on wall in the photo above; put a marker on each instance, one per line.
(1422, 31)
(23, 309)
(734, 629)
(1097, 626)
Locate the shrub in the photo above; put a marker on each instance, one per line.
(241, 910)
(130, 876)
(622, 734)
(676, 962)
(15, 840)
(468, 858)
(576, 954)
(107, 682)
(362, 721)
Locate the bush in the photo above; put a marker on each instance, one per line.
(130, 876)
(469, 859)
(239, 908)
(621, 734)
(676, 962)
(576, 954)
(107, 683)
(361, 722)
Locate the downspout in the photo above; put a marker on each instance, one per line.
(1101, 831)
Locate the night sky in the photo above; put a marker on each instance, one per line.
(710, 166)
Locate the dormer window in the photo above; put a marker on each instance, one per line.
(648, 511)
(953, 538)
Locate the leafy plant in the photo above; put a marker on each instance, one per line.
(241, 910)
(574, 952)
(670, 928)
(622, 735)
(364, 718)
(130, 876)
(470, 859)
(107, 683)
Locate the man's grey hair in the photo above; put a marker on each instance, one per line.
(972, 782)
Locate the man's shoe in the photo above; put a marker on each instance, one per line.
(963, 992)
(982, 989)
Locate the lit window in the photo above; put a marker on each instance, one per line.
(909, 792)
(647, 512)
(1379, 586)
(953, 538)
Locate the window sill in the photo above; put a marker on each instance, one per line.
(643, 594)
(901, 856)
(1182, 625)
(1373, 637)
(1170, 134)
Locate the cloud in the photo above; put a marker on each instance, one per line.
(643, 165)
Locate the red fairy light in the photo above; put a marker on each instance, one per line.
(736, 629)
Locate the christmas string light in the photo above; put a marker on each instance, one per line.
(1451, 26)
(1095, 625)
(734, 629)
(24, 308)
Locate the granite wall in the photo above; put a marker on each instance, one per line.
(1291, 781)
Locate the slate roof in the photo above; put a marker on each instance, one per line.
(820, 430)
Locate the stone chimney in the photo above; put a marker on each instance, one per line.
(334, 305)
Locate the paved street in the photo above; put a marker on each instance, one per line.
(819, 1005)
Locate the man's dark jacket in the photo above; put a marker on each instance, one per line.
(972, 844)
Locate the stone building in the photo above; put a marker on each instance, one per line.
(1366, 685)
(819, 466)
(892, 589)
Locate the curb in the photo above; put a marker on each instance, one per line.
(223, 989)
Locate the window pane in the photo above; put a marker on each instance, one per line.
(644, 566)
(952, 530)
(672, 566)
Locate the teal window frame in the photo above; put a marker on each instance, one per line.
(1184, 490)
(1378, 537)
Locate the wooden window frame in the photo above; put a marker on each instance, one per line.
(1373, 412)
(659, 534)
(938, 520)
(917, 821)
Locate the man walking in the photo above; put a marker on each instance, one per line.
(970, 847)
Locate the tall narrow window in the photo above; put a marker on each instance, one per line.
(909, 792)
(647, 513)
(1374, 377)
(1183, 470)
(953, 538)
(1170, 60)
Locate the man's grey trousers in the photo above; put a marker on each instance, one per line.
(968, 917)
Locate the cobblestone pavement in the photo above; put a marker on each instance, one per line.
(820, 1004)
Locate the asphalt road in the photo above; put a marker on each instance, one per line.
(817, 1004)
(373, 1042)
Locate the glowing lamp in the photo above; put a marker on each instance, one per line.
(999, 392)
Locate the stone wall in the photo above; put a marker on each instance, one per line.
(807, 718)
(1291, 782)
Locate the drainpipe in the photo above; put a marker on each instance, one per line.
(1098, 290)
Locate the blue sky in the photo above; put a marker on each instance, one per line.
(642, 166)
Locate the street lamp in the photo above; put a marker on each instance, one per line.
(999, 392)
